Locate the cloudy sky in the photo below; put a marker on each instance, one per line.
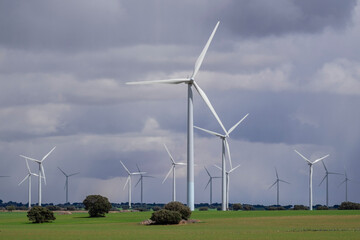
(294, 66)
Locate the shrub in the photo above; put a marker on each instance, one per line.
(53, 208)
(97, 205)
(349, 206)
(10, 208)
(300, 207)
(184, 211)
(165, 216)
(156, 208)
(203, 208)
(274, 208)
(39, 214)
(70, 208)
(236, 206)
(322, 208)
(248, 207)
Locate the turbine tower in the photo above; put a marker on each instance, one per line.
(210, 182)
(346, 186)
(327, 173)
(190, 121)
(224, 143)
(67, 182)
(310, 175)
(28, 176)
(141, 182)
(278, 180)
(41, 170)
(128, 181)
(173, 169)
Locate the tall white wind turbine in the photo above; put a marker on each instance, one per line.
(277, 182)
(327, 173)
(141, 179)
(346, 185)
(190, 123)
(128, 180)
(41, 170)
(173, 169)
(225, 144)
(210, 182)
(67, 182)
(310, 175)
(28, 176)
(228, 183)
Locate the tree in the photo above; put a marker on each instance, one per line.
(164, 217)
(179, 207)
(39, 214)
(97, 205)
(236, 206)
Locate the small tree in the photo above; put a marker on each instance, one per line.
(179, 207)
(349, 206)
(39, 214)
(236, 206)
(203, 208)
(97, 205)
(165, 216)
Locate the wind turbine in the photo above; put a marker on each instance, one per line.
(173, 167)
(346, 186)
(67, 182)
(228, 183)
(225, 143)
(210, 182)
(41, 170)
(278, 180)
(310, 175)
(327, 173)
(190, 121)
(128, 180)
(28, 176)
(141, 182)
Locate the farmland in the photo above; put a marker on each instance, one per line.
(335, 224)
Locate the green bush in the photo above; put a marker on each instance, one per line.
(349, 206)
(39, 214)
(248, 207)
(203, 208)
(97, 205)
(10, 208)
(300, 207)
(53, 208)
(164, 217)
(322, 208)
(179, 207)
(236, 206)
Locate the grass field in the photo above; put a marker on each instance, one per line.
(214, 225)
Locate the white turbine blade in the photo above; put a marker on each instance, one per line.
(62, 171)
(48, 154)
(127, 181)
(167, 175)
(217, 166)
(324, 166)
(233, 127)
(211, 132)
(228, 151)
(138, 182)
(273, 184)
(27, 176)
(182, 164)
(303, 157)
(73, 174)
(127, 170)
(234, 168)
(207, 171)
(31, 159)
(171, 158)
(284, 181)
(43, 173)
(166, 81)
(202, 54)
(277, 175)
(208, 103)
(138, 168)
(321, 159)
(323, 179)
(34, 174)
(137, 173)
(27, 165)
(207, 183)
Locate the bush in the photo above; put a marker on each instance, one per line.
(300, 207)
(203, 208)
(349, 206)
(53, 208)
(97, 205)
(165, 216)
(322, 208)
(247, 207)
(10, 208)
(39, 214)
(179, 207)
(274, 208)
(70, 208)
(236, 206)
(156, 208)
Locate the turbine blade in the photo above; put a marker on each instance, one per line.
(323, 179)
(27, 176)
(277, 175)
(211, 132)
(62, 171)
(303, 157)
(31, 159)
(48, 154)
(43, 173)
(167, 175)
(228, 151)
(335, 173)
(138, 168)
(127, 181)
(138, 182)
(234, 168)
(324, 166)
(217, 166)
(208, 103)
(171, 158)
(73, 174)
(233, 127)
(167, 81)
(321, 158)
(27, 165)
(127, 170)
(284, 181)
(137, 173)
(182, 164)
(342, 183)
(202, 54)
(273, 184)
(207, 183)
(207, 171)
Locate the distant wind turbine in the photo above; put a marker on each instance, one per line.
(173, 169)
(190, 131)
(346, 185)
(327, 173)
(128, 180)
(142, 176)
(278, 180)
(210, 182)
(224, 143)
(41, 170)
(67, 182)
(28, 176)
(310, 175)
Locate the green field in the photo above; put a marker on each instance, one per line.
(214, 225)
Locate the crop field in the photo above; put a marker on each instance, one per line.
(335, 224)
